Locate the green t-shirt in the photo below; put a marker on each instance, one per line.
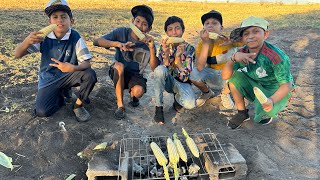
(272, 66)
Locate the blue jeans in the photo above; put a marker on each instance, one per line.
(184, 93)
(211, 77)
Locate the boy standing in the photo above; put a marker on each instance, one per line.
(65, 63)
(258, 64)
(172, 75)
(131, 58)
(211, 56)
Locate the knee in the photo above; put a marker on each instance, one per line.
(137, 91)
(42, 112)
(119, 67)
(90, 75)
(160, 71)
(189, 103)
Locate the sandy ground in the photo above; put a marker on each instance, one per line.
(286, 149)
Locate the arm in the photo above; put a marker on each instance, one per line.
(101, 42)
(67, 67)
(201, 60)
(21, 49)
(153, 58)
(282, 91)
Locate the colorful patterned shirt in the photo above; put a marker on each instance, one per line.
(187, 58)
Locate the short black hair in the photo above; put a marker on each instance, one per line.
(171, 20)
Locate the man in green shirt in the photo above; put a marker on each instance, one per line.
(258, 64)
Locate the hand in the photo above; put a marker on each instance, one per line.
(33, 38)
(226, 40)
(149, 41)
(204, 35)
(128, 46)
(64, 67)
(180, 50)
(244, 58)
(268, 106)
(165, 48)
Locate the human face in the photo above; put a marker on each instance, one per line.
(63, 21)
(254, 37)
(174, 30)
(141, 23)
(212, 25)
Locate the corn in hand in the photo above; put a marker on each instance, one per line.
(137, 31)
(161, 158)
(174, 40)
(181, 151)
(191, 144)
(213, 35)
(260, 95)
(47, 30)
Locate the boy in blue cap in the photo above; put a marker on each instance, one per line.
(258, 64)
(65, 63)
(131, 58)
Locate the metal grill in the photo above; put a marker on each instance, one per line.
(136, 159)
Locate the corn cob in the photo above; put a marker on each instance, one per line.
(173, 157)
(191, 144)
(260, 95)
(47, 30)
(213, 35)
(182, 153)
(137, 31)
(161, 158)
(173, 40)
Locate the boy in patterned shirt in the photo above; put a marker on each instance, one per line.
(65, 63)
(173, 73)
(258, 64)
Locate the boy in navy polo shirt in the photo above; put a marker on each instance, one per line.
(131, 58)
(65, 63)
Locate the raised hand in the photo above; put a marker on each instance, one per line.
(244, 58)
(128, 46)
(63, 66)
(33, 38)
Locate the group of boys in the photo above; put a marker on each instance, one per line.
(243, 61)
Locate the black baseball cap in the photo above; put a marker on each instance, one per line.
(212, 14)
(144, 11)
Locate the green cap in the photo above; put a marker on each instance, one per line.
(249, 22)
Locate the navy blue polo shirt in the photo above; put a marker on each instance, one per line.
(71, 48)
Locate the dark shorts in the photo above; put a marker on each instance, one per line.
(131, 79)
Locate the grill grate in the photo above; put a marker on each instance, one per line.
(138, 162)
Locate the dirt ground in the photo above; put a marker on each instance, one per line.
(286, 149)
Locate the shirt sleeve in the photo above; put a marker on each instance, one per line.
(82, 51)
(115, 35)
(282, 70)
(34, 48)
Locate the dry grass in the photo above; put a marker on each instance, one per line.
(97, 17)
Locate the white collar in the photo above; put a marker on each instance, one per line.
(65, 37)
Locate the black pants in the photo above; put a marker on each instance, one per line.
(51, 98)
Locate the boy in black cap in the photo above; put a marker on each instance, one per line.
(211, 56)
(65, 63)
(131, 58)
